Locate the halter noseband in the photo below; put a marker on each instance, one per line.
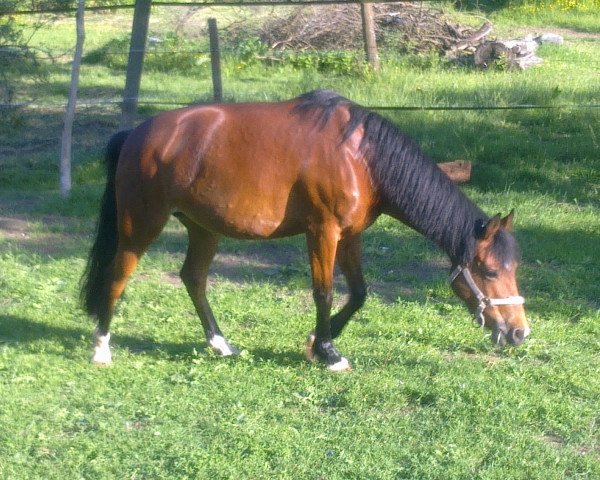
(483, 301)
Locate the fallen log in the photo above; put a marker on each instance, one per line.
(459, 171)
(512, 54)
(473, 40)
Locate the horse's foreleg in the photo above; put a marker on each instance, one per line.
(123, 266)
(322, 248)
(202, 248)
(349, 260)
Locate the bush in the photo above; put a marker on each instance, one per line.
(17, 61)
(168, 54)
(336, 63)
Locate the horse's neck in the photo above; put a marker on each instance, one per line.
(441, 213)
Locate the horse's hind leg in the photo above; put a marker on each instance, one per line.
(136, 232)
(202, 248)
(123, 266)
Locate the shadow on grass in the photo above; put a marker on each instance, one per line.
(552, 152)
(18, 330)
(394, 265)
(397, 264)
(407, 267)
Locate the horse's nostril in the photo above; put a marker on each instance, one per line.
(516, 336)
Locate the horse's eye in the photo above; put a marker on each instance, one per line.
(491, 274)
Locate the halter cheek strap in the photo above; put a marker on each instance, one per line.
(483, 301)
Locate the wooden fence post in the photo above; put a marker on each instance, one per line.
(215, 60)
(137, 47)
(67, 134)
(368, 23)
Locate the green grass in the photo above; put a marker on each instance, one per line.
(429, 397)
(578, 15)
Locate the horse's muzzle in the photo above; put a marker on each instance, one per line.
(515, 336)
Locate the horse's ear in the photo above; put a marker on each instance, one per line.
(507, 222)
(490, 228)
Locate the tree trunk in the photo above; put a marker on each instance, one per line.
(67, 135)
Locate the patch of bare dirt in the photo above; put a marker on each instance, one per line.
(491, 359)
(554, 440)
(20, 229)
(275, 261)
(566, 33)
(558, 442)
(14, 228)
(574, 34)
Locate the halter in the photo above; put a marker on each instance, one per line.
(483, 300)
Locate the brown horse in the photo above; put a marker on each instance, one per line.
(318, 165)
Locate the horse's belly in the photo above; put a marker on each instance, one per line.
(250, 217)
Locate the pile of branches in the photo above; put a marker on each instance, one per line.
(403, 26)
(335, 27)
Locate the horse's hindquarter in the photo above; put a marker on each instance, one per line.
(261, 170)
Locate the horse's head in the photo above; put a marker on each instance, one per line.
(488, 284)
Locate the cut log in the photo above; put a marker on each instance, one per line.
(511, 54)
(459, 171)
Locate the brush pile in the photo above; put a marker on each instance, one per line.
(404, 26)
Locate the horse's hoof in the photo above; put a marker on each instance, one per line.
(309, 352)
(101, 355)
(101, 358)
(342, 365)
(339, 367)
(222, 347)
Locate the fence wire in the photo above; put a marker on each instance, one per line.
(87, 103)
(216, 3)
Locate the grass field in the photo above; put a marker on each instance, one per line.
(429, 396)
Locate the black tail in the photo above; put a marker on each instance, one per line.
(94, 281)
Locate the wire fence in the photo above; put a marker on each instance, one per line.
(86, 103)
(215, 3)
(53, 55)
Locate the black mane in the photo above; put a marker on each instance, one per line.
(413, 187)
